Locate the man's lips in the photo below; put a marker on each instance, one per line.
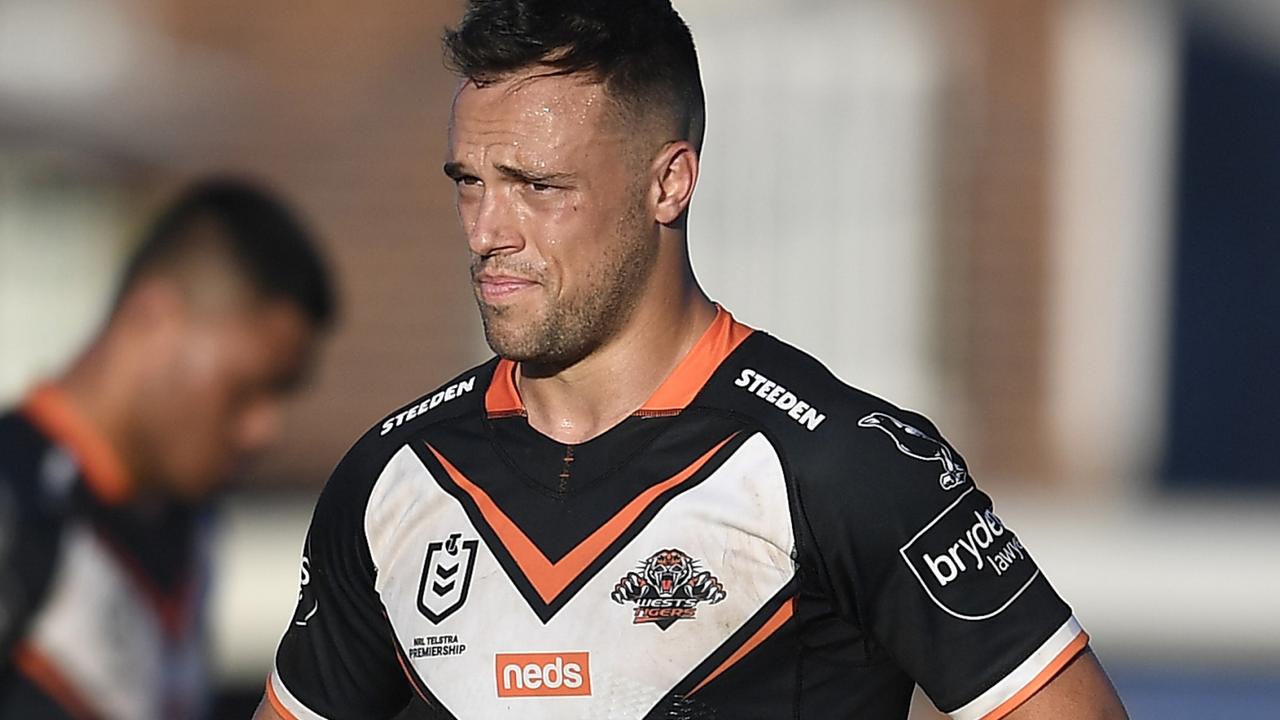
(498, 287)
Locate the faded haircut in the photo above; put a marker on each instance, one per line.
(265, 244)
(641, 51)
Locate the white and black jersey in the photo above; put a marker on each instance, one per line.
(757, 542)
(101, 597)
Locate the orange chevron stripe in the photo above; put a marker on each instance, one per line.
(551, 578)
(771, 626)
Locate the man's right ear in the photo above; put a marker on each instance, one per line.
(676, 170)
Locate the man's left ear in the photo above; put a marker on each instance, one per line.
(676, 170)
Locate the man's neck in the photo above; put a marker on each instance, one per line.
(584, 400)
(99, 389)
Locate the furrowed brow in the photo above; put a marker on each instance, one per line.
(534, 177)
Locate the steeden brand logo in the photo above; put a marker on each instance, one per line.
(566, 674)
(452, 392)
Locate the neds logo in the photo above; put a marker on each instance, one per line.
(543, 674)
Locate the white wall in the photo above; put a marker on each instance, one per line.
(60, 243)
(815, 214)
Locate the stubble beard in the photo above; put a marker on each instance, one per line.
(568, 330)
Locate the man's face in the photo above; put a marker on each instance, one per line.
(552, 194)
(218, 398)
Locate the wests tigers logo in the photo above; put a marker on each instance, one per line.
(668, 587)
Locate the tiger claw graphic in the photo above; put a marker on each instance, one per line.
(628, 588)
(705, 587)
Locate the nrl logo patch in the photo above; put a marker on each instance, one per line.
(668, 587)
(915, 443)
(446, 577)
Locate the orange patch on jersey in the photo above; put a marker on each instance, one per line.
(551, 578)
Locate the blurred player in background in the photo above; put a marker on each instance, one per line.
(107, 470)
(643, 509)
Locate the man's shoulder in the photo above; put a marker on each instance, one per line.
(829, 430)
(36, 482)
(786, 388)
(459, 397)
(27, 465)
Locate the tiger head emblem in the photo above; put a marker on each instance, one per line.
(667, 571)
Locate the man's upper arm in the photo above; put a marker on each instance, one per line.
(338, 657)
(1081, 691)
(917, 556)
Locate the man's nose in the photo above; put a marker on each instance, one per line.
(495, 229)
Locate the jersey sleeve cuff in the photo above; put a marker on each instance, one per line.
(285, 704)
(1034, 673)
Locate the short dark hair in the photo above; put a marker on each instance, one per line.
(267, 245)
(640, 50)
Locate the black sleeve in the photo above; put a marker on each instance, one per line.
(915, 554)
(31, 523)
(338, 658)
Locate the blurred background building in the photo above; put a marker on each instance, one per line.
(1049, 225)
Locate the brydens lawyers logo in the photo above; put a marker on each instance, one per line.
(446, 577)
(968, 561)
(543, 674)
(668, 587)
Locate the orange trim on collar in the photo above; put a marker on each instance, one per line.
(51, 410)
(686, 381)
(502, 398)
(674, 394)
